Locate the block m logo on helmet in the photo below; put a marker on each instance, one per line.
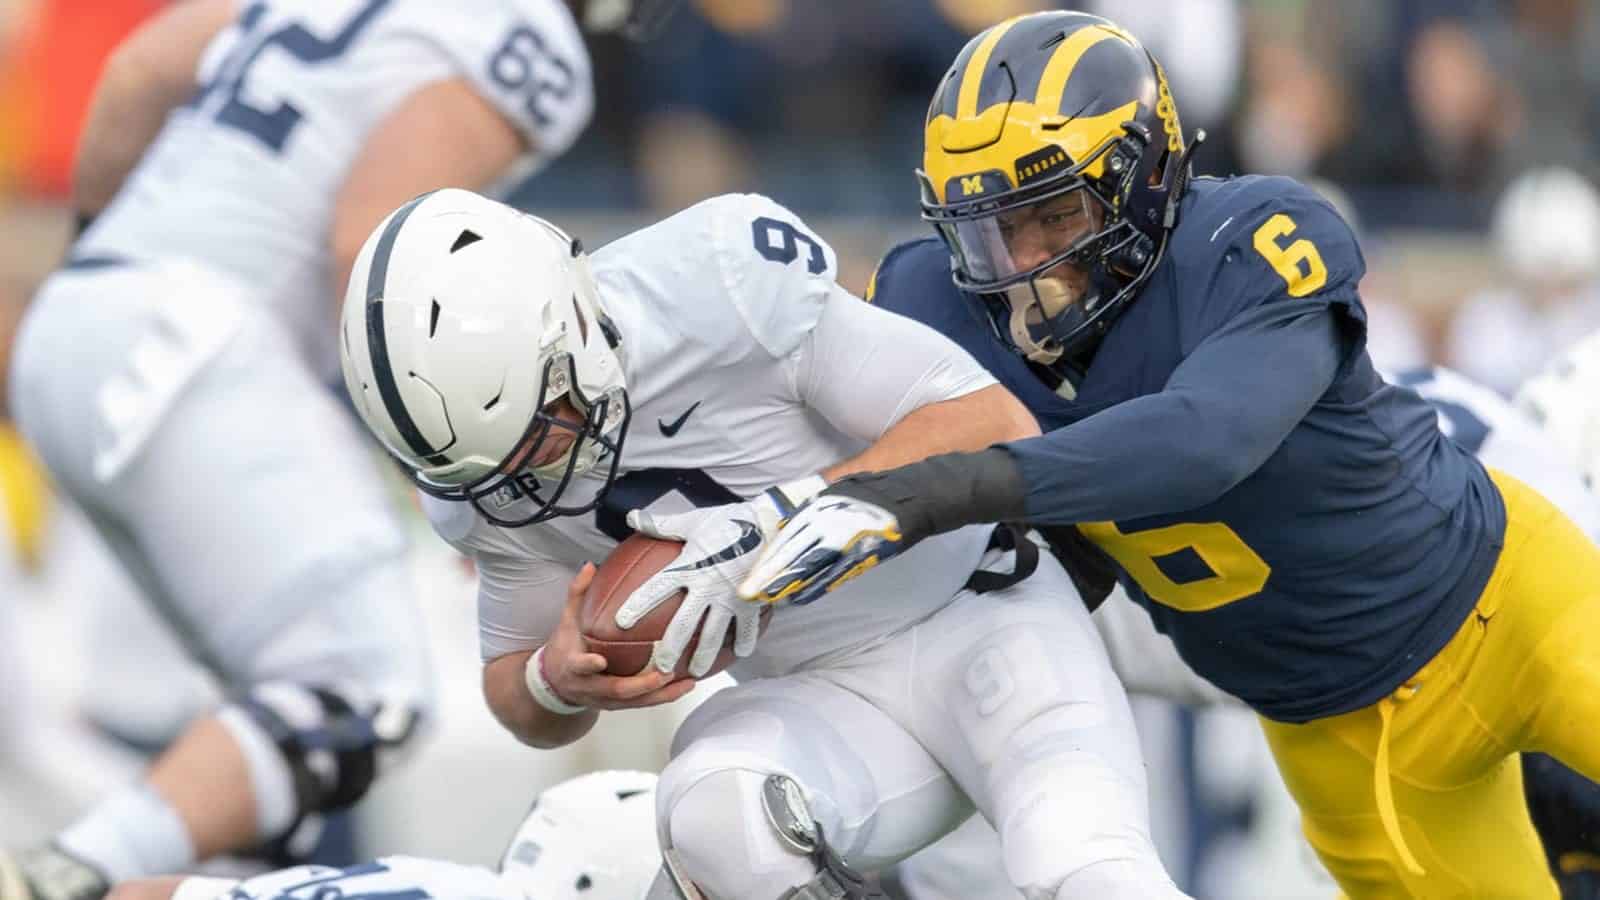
(962, 187)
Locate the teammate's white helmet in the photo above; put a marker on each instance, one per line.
(463, 322)
(589, 838)
(1547, 226)
(638, 20)
(1565, 399)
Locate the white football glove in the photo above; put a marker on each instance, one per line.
(720, 544)
(824, 544)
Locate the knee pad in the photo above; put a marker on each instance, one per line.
(738, 833)
(314, 750)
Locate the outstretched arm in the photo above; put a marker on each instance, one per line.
(905, 388)
(1225, 409)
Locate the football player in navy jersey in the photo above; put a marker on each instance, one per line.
(1402, 618)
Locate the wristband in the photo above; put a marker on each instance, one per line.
(539, 686)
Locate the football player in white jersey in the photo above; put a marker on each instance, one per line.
(546, 407)
(172, 375)
(588, 838)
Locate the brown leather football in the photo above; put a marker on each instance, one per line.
(628, 566)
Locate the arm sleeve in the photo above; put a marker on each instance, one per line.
(864, 369)
(1225, 409)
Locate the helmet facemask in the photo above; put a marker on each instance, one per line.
(580, 368)
(1047, 105)
(597, 437)
(1045, 305)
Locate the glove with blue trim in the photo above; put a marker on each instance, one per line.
(720, 545)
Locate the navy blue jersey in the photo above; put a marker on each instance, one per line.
(1308, 570)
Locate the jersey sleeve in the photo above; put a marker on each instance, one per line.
(776, 272)
(526, 57)
(864, 368)
(521, 595)
(1271, 240)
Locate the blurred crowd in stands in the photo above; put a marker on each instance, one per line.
(1460, 134)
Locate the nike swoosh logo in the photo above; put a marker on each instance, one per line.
(1220, 227)
(670, 430)
(749, 539)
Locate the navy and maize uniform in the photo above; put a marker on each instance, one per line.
(1403, 618)
(1257, 541)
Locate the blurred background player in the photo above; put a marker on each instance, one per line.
(172, 375)
(1546, 235)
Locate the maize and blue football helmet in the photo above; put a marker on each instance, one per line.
(1067, 112)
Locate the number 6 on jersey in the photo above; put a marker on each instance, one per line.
(1286, 261)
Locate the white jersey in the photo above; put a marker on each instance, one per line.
(1505, 438)
(244, 177)
(747, 366)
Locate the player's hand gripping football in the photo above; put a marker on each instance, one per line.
(578, 676)
(720, 543)
(828, 541)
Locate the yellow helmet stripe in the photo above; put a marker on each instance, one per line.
(972, 79)
(1053, 83)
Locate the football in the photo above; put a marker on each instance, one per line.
(628, 652)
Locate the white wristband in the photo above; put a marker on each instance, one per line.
(543, 693)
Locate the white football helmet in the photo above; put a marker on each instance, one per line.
(638, 20)
(463, 322)
(1547, 226)
(1565, 399)
(589, 838)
